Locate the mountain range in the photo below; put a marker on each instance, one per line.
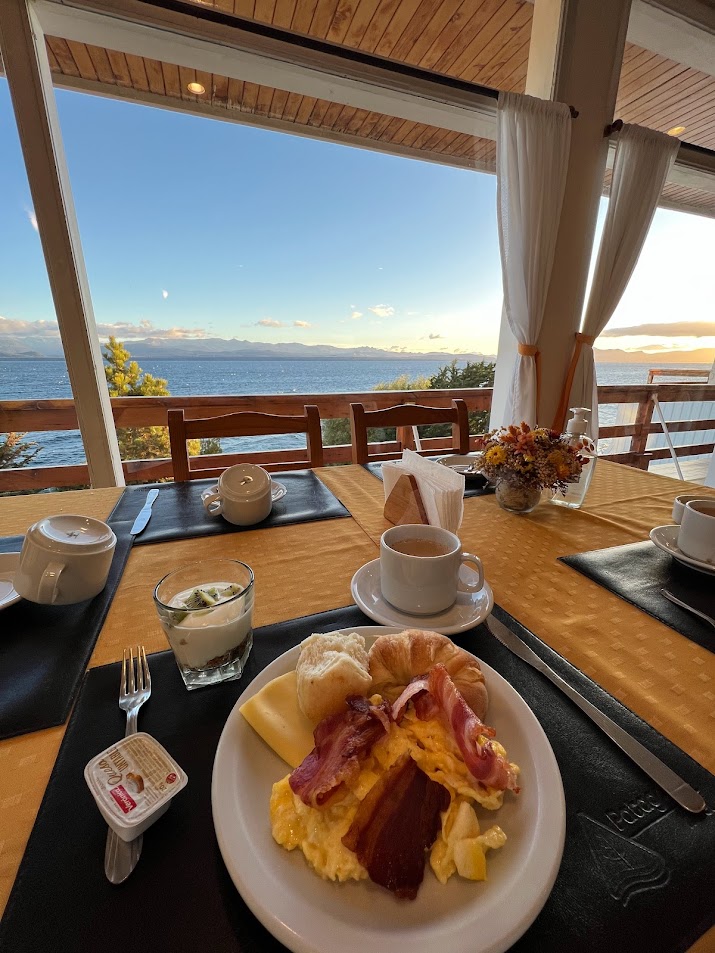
(38, 348)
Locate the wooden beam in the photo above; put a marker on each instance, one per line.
(193, 40)
(28, 75)
(681, 30)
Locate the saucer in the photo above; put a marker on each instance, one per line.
(278, 491)
(459, 463)
(469, 610)
(8, 564)
(666, 538)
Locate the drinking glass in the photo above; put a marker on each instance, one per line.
(206, 611)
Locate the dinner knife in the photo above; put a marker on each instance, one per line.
(668, 780)
(144, 513)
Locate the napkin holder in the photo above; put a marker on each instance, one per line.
(404, 504)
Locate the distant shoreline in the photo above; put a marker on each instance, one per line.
(638, 358)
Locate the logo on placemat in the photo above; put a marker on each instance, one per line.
(626, 866)
(633, 817)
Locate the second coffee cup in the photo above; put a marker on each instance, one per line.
(419, 568)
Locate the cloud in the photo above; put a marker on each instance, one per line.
(383, 310)
(32, 218)
(44, 329)
(435, 337)
(302, 324)
(164, 294)
(356, 315)
(121, 329)
(673, 329)
(145, 329)
(269, 323)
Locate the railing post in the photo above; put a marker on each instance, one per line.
(639, 440)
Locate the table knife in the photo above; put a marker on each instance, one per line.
(144, 513)
(668, 780)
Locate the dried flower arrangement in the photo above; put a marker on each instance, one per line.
(538, 458)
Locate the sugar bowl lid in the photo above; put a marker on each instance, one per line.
(245, 481)
(72, 533)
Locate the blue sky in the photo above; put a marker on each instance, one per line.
(196, 227)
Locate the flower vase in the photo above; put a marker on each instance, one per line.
(516, 497)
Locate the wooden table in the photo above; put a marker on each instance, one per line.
(301, 569)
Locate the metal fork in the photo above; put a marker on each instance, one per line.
(120, 857)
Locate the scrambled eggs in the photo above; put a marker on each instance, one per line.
(460, 847)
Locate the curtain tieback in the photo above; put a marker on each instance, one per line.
(584, 339)
(560, 418)
(531, 350)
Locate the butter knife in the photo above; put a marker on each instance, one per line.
(144, 513)
(668, 780)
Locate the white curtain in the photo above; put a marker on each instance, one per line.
(533, 141)
(640, 169)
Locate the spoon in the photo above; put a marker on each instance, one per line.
(684, 605)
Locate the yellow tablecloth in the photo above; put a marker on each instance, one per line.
(307, 568)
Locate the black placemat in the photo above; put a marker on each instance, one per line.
(638, 571)
(636, 872)
(44, 650)
(473, 486)
(178, 512)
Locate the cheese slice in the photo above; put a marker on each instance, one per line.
(274, 713)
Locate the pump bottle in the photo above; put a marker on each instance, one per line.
(577, 433)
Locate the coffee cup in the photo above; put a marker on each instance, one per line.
(680, 502)
(696, 537)
(65, 559)
(243, 495)
(419, 568)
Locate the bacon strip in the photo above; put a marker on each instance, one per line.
(482, 761)
(340, 742)
(395, 824)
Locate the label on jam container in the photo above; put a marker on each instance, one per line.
(134, 778)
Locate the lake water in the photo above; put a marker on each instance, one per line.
(33, 380)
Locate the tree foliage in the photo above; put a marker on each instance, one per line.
(16, 452)
(126, 379)
(451, 376)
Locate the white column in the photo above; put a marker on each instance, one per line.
(28, 74)
(575, 57)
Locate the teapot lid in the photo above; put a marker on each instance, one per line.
(245, 481)
(70, 532)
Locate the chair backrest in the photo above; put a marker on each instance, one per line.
(406, 415)
(242, 424)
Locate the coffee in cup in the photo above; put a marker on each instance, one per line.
(419, 568)
(65, 559)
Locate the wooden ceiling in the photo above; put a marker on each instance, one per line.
(482, 41)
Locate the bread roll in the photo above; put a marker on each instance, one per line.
(329, 668)
(394, 660)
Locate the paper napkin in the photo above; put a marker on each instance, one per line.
(441, 489)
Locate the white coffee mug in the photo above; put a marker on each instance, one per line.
(243, 495)
(65, 559)
(428, 583)
(680, 502)
(696, 537)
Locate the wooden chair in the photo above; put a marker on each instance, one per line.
(405, 416)
(243, 424)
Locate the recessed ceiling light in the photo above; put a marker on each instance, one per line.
(196, 88)
(676, 130)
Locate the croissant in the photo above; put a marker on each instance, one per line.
(394, 660)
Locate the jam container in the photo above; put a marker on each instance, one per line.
(133, 782)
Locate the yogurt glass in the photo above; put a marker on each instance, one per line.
(206, 611)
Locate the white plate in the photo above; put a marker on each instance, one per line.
(469, 610)
(666, 538)
(8, 564)
(278, 491)
(310, 915)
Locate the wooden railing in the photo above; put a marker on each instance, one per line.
(60, 415)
